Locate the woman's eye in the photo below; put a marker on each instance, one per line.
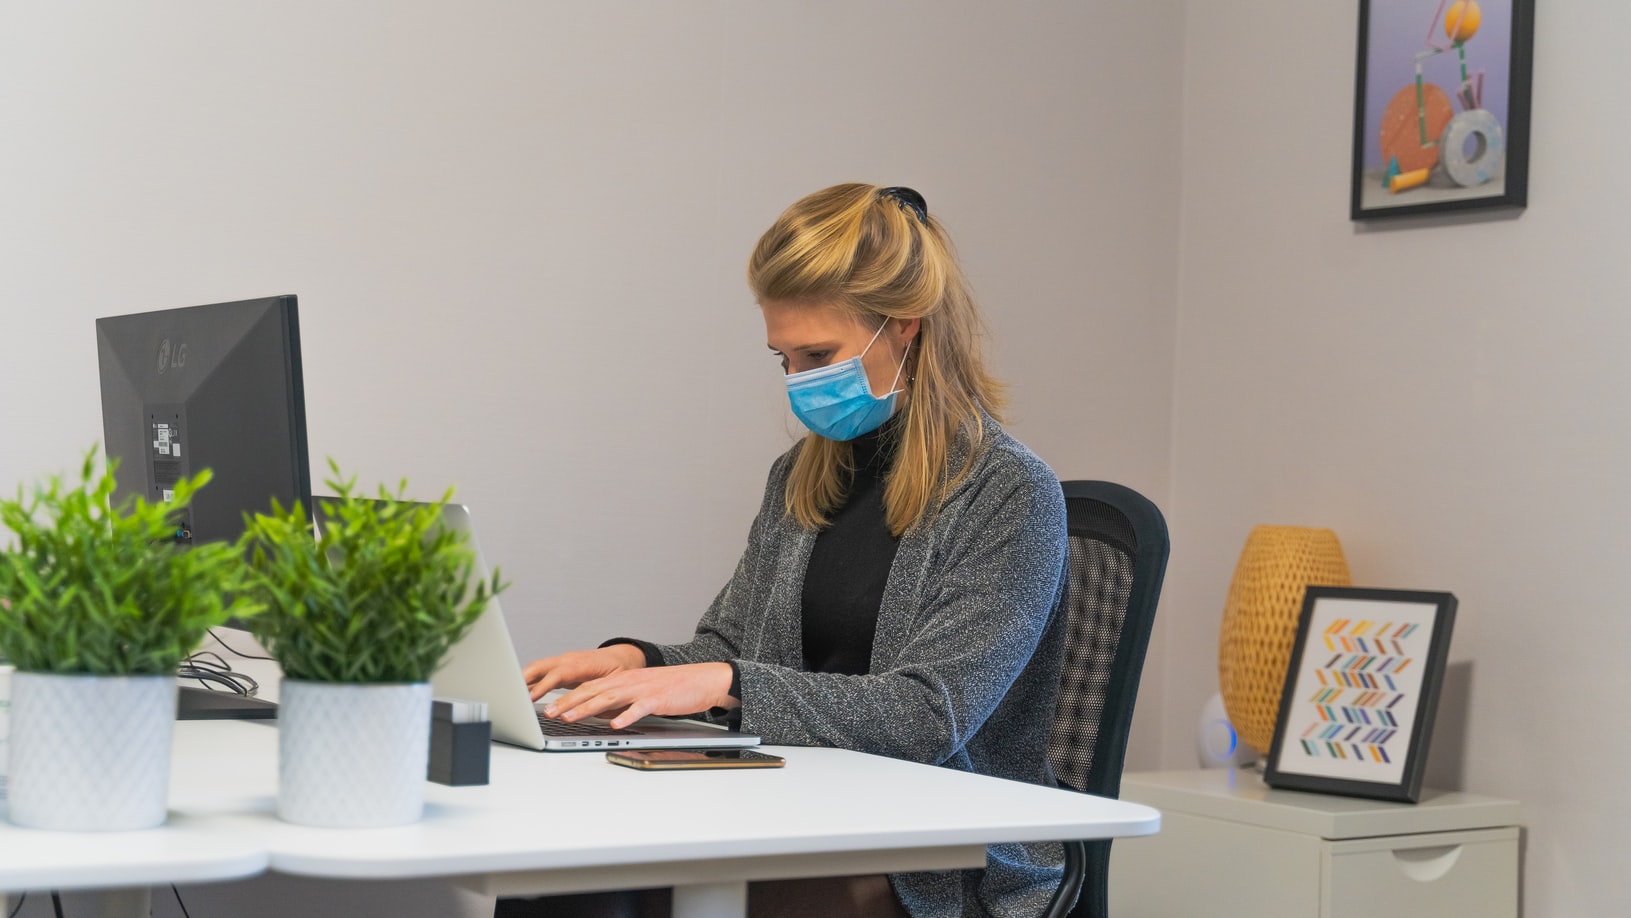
(808, 360)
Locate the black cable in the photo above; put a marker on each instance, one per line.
(183, 905)
(208, 660)
(212, 672)
(240, 653)
(234, 683)
(20, 900)
(56, 903)
(230, 683)
(212, 658)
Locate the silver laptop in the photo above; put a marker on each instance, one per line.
(483, 667)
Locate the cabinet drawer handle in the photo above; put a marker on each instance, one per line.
(1424, 865)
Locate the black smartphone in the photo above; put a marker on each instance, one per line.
(692, 759)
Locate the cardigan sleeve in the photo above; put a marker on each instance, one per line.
(991, 588)
(718, 637)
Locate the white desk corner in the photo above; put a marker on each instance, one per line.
(567, 822)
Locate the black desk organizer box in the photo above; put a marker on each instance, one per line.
(459, 752)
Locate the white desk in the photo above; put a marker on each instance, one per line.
(566, 822)
(572, 822)
(189, 849)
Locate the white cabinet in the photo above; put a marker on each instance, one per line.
(1230, 846)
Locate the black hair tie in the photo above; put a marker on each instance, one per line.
(908, 199)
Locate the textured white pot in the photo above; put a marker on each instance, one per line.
(90, 753)
(5, 722)
(352, 756)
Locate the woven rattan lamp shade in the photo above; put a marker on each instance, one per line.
(1260, 620)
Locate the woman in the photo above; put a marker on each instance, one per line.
(897, 592)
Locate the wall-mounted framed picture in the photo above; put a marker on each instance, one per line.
(1357, 710)
(1441, 106)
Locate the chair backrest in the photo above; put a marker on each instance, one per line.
(1118, 557)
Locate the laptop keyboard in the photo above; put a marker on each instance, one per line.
(553, 727)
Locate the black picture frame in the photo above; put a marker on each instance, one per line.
(1354, 726)
(1411, 128)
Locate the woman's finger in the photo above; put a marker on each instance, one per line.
(566, 702)
(551, 681)
(632, 713)
(537, 669)
(544, 686)
(587, 700)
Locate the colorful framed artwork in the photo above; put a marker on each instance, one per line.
(1441, 106)
(1361, 691)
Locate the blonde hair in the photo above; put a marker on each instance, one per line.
(873, 254)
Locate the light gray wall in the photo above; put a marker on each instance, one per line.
(1447, 398)
(518, 231)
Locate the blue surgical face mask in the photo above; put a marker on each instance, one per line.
(836, 401)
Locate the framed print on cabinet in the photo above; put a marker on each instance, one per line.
(1360, 694)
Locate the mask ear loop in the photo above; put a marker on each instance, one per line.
(900, 369)
(874, 337)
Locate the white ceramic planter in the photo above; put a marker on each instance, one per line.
(352, 756)
(5, 723)
(90, 753)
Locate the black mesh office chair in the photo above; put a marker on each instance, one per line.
(1118, 556)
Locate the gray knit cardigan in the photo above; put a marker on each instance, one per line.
(965, 660)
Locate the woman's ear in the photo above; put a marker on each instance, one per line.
(908, 330)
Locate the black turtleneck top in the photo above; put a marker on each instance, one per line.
(849, 565)
(844, 580)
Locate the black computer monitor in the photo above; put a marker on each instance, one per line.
(215, 387)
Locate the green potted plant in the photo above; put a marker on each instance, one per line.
(359, 615)
(99, 607)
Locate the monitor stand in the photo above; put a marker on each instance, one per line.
(194, 703)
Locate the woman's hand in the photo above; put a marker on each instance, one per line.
(635, 693)
(580, 666)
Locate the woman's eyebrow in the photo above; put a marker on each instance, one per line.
(822, 346)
